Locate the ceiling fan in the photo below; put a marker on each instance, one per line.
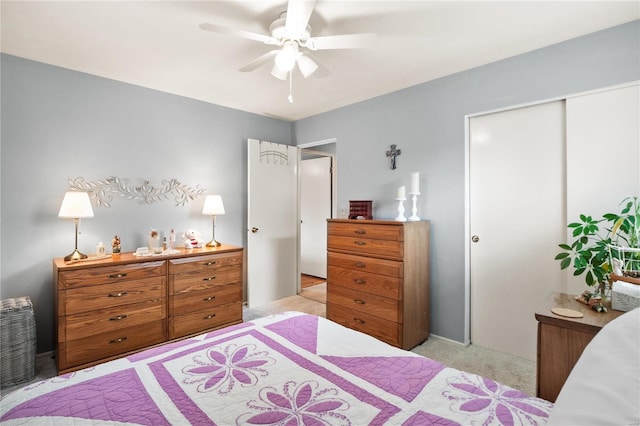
(291, 33)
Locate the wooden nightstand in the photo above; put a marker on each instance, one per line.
(561, 340)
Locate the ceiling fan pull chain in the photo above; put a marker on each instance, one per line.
(290, 86)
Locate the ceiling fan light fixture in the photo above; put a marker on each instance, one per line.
(286, 58)
(278, 72)
(306, 65)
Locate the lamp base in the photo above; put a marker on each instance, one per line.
(213, 243)
(76, 255)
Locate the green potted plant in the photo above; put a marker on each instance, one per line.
(597, 242)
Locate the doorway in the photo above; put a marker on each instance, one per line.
(317, 204)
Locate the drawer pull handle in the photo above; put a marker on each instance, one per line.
(209, 279)
(118, 318)
(119, 340)
(359, 281)
(120, 294)
(206, 299)
(117, 276)
(209, 263)
(359, 243)
(361, 265)
(358, 320)
(360, 231)
(359, 302)
(209, 316)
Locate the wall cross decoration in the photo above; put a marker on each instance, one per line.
(100, 190)
(393, 153)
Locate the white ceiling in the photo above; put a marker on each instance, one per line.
(158, 44)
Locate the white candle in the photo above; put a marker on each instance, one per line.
(415, 182)
(402, 192)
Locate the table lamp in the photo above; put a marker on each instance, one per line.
(213, 206)
(75, 205)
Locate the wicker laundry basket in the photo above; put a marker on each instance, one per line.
(18, 337)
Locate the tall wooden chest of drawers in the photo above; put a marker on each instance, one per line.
(378, 278)
(111, 307)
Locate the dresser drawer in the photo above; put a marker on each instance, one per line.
(104, 320)
(85, 299)
(200, 263)
(112, 343)
(197, 280)
(366, 246)
(110, 274)
(390, 287)
(366, 230)
(387, 331)
(194, 322)
(391, 268)
(381, 307)
(204, 299)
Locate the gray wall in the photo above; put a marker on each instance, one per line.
(427, 123)
(59, 124)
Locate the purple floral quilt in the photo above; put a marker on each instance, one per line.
(287, 369)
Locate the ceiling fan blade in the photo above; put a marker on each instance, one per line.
(259, 61)
(346, 41)
(298, 14)
(239, 33)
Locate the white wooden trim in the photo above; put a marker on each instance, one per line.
(317, 143)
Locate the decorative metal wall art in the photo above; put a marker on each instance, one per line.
(101, 190)
(393, 153)
(271, 155)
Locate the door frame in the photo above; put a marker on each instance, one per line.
(334, 185)
(467, 185)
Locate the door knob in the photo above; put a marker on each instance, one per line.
(254, 229)
(475, 239)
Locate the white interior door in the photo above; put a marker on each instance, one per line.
(517, 214)
(315, 209)
(272, 241)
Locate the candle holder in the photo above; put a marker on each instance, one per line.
(414, 206)
(400, 217)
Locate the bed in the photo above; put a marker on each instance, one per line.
(286, 369)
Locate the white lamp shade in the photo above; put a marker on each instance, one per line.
(213, 205)
(307, 66)
(76, 204)
(279, 73)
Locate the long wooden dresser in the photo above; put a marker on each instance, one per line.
(378, 278)
(111, 307)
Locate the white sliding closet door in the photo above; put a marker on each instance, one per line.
(516, 213)
(603, 155)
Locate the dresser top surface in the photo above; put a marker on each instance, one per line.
(591, 320)
(374, 221)
(130, 257)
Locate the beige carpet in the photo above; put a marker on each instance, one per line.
(316, 292)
